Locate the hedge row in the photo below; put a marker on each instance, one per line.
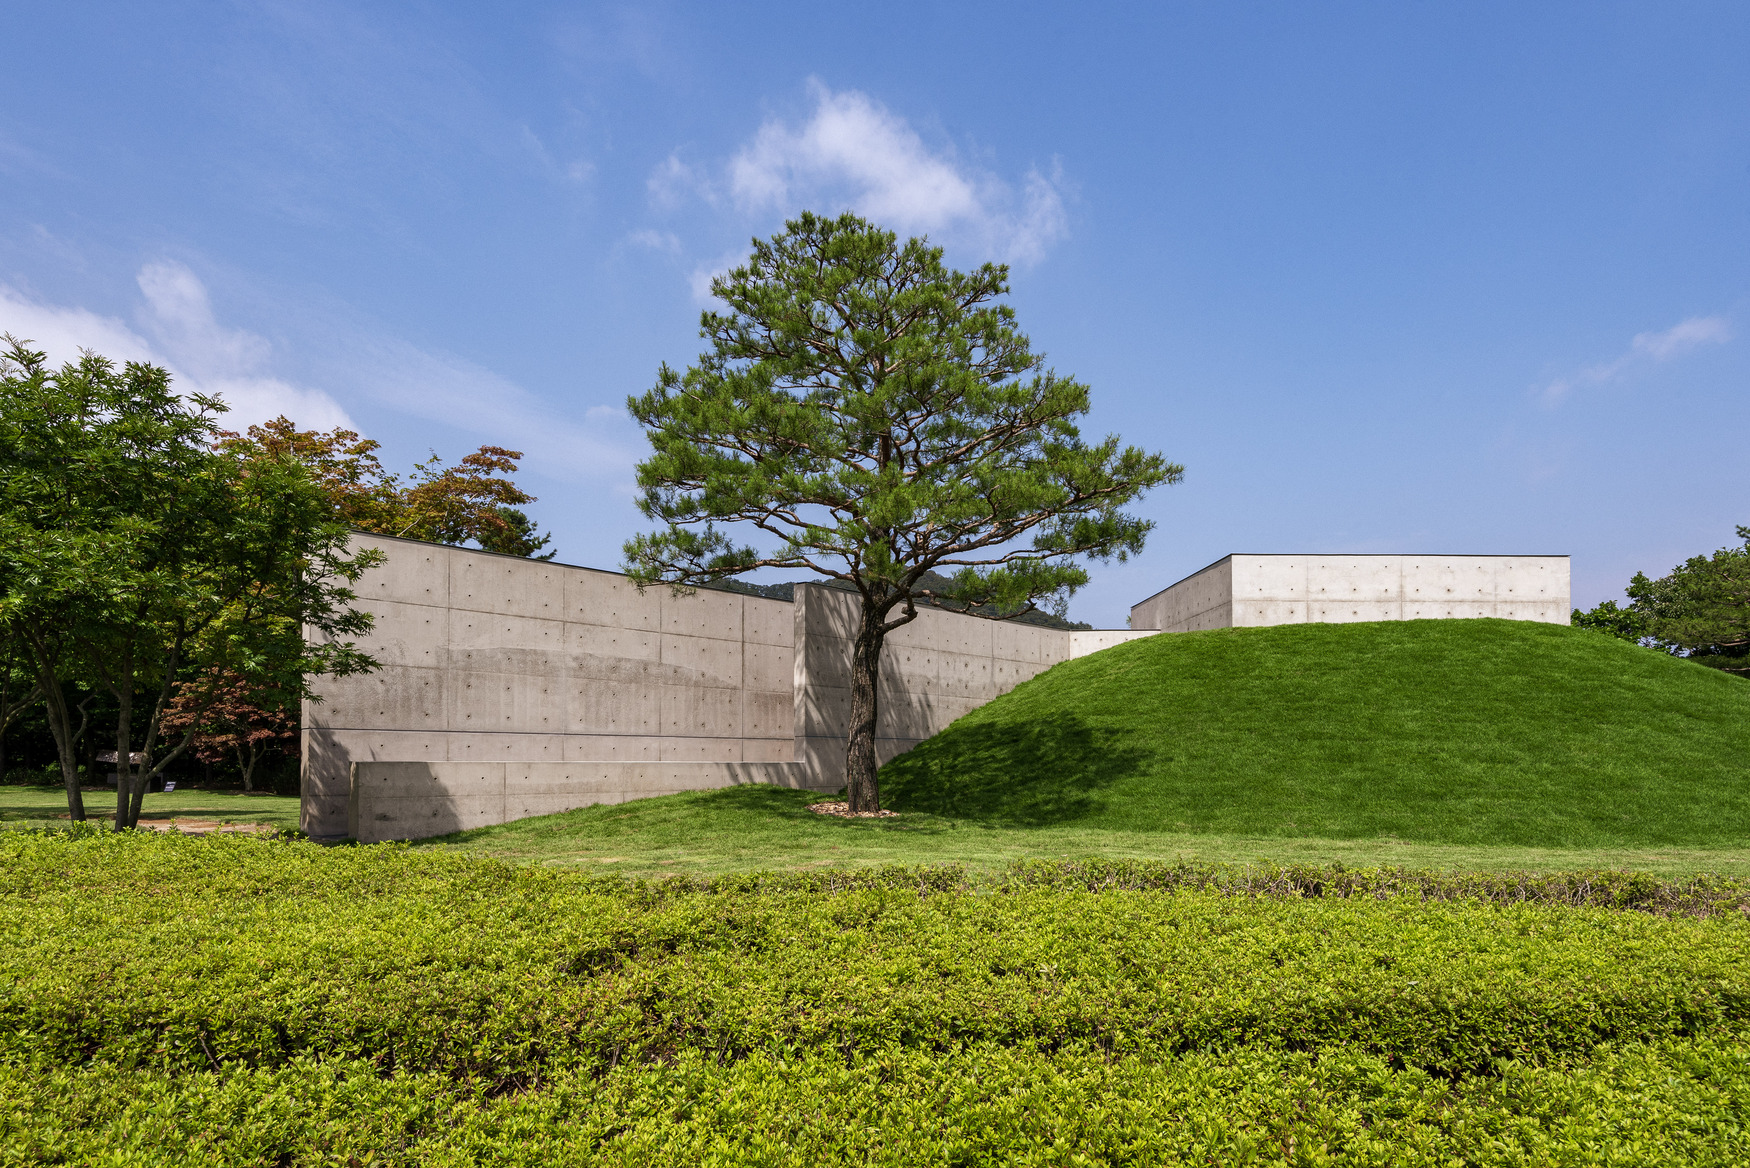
(1682, 1102)
(188, 957)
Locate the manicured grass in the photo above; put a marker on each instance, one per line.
(755, 828)
(1481, 732)
(249, 1002)
(47, 807)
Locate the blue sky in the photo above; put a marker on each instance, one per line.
(1441, 278)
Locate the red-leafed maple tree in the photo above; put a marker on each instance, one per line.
(475, 499)
(234, 719)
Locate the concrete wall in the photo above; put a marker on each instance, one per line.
(1257, 590)
(1203, 600)
(494, 659)
(413, 800)
(511, 688)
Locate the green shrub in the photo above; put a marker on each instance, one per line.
(1666, 1103)
(247, 1001)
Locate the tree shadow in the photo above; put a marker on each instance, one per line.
(1026, 774)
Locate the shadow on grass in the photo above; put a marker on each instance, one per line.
(1025, 774)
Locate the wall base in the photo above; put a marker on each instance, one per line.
(416, 800)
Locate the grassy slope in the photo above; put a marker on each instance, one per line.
(1440, 732)
(750, 828)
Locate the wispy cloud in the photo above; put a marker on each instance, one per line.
(178, 329)
(452, 390)
(853, 153)
(674, 181)
(185, 338)
(1648, 348)
(1680, 338)
(663, 241)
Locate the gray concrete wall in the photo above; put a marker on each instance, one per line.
(1265, 590)
(494, 659)
(1202, 600)
(933, 670)
(414, 800)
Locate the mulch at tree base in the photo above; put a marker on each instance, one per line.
(843, 811)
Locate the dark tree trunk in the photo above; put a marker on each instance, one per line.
(124, 764)
(139, 796)
(60, 728)
(860, 760)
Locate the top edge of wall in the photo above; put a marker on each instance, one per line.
(450, 547)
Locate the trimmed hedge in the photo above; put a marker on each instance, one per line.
(203, 994)
(1668, 1103)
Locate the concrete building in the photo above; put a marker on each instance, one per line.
(1249, 591)
(512, 687)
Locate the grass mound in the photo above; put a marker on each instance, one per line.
(238, 1001)
(1483, 732)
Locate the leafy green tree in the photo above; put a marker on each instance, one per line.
(135, 556)
(1699, 610)
(19, 690)
(1625, 623)
(879, 418)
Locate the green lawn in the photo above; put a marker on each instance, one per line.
(753, 828)
(1478, 732)
(47, 807)
(1451, 745)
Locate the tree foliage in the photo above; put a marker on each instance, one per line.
(881, 420)
(443, 504)
(137, 558)
(1623, 622)
(1699, 610)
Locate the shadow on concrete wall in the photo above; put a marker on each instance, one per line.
(408, 800)
(325, 783)
(1029, 774)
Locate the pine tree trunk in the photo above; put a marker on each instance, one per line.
(860, 760)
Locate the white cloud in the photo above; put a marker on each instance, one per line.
(178, 330)
(664, 241)
(673, 180)
(1680, 338)
(853, 153)
(201, 355)
(701, 276)
(452, 390)
(1646, 348)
